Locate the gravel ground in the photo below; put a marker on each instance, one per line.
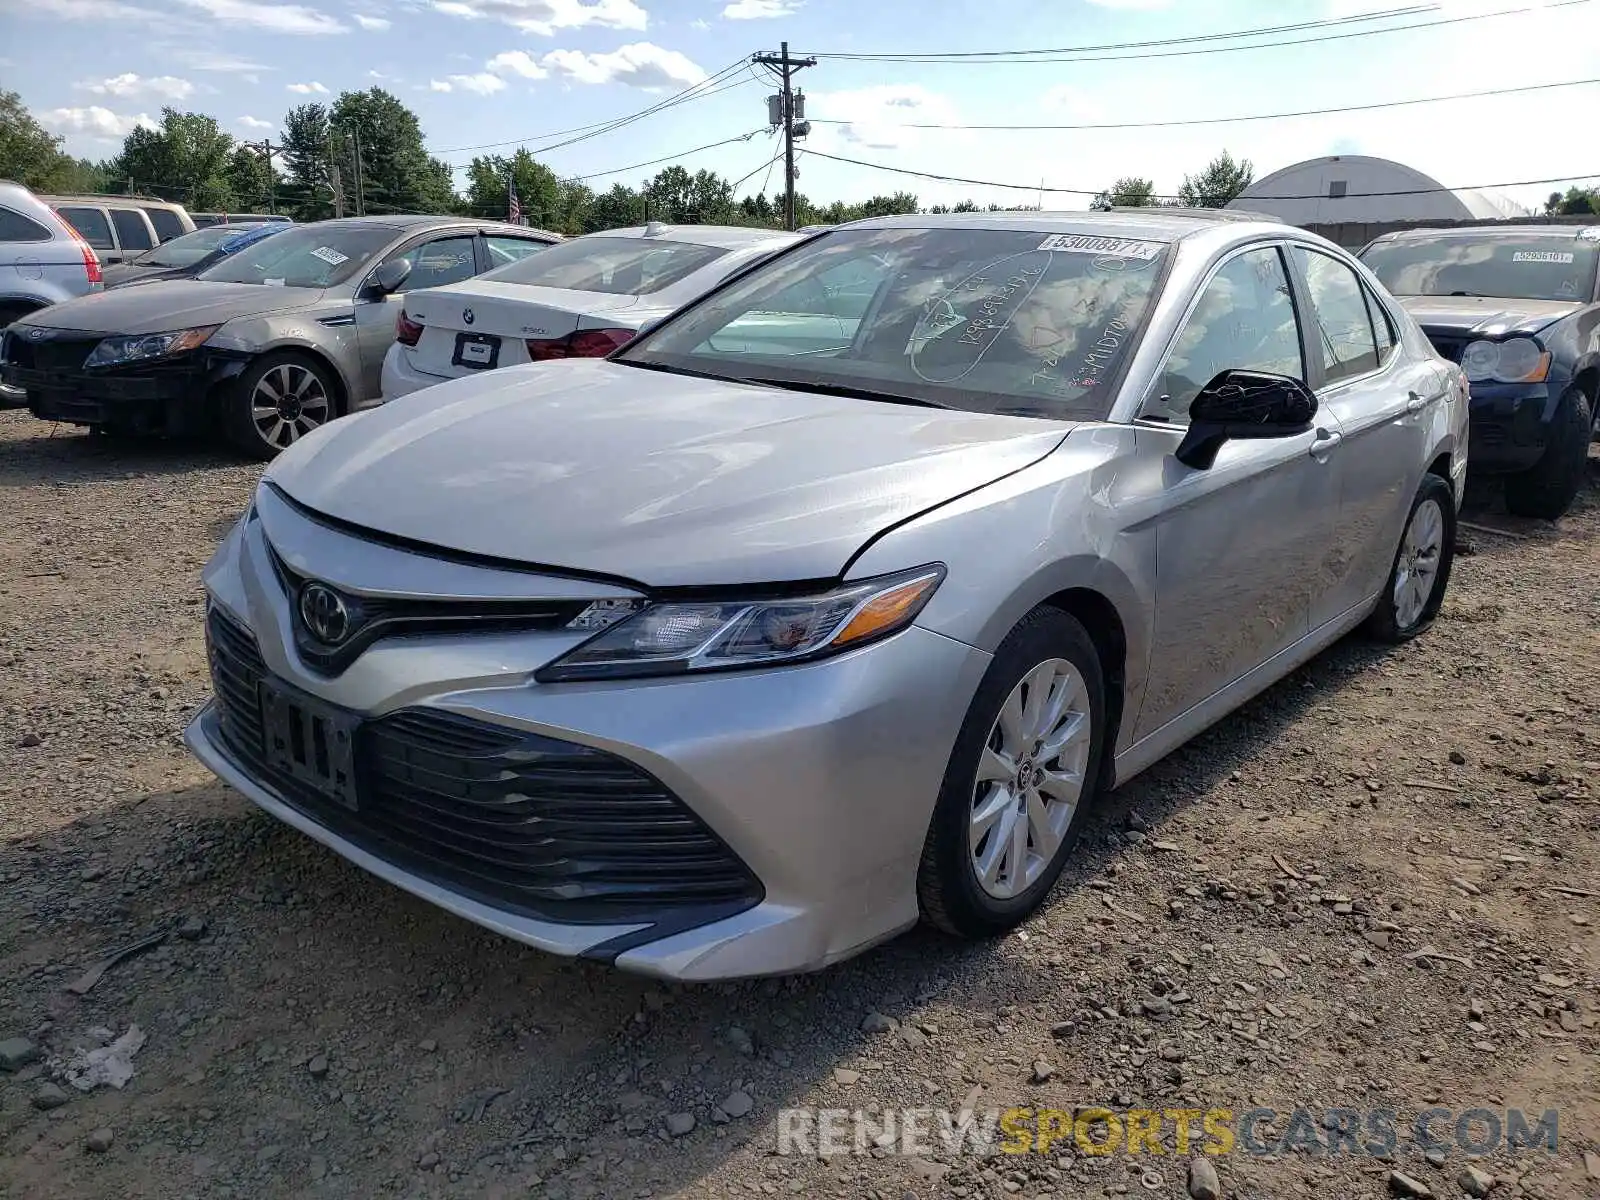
(1241, 927)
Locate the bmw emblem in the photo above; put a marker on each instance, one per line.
(466, 315)
(325, 614)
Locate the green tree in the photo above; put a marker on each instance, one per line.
(186, 159)
(251, 180)
(29, 153)
(619, 208)
(899, 204)
(1576, 202)
(679, 198)
(1130, 191)
(541, 194)
(307, 190)
(1221, 182)
(397, 173)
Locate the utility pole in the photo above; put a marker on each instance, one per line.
(265, 148)
(337, 185)
(361, 198)
(781, 109)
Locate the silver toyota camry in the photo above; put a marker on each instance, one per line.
(835, 601)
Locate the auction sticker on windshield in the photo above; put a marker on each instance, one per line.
(1542, 256)
(329, 255)
(1084, 243)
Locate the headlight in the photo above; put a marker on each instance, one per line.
(1515, 360)
(679, 638)
(115, 350)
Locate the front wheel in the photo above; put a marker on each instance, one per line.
(1546, 489)
(1022, 773)
(277, 401)
(1415, 590)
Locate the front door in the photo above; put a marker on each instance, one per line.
(1239, 545)
(431, 263)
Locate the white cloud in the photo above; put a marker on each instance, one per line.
(638, 64)
(308, 89)
(209, 60)
(1145, 5)
(516, 62)
(256, 123)
(167, 87)
(761, 10)
(94, 121)
(699, 24)
(877, 116)
(376, 24)
(439, 85)
(275, 18)
(482, 84)
(544, 17)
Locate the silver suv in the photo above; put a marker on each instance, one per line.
(43, 261)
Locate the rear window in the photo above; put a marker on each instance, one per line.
(618, 266)
(14, 227)
(1513, 268)
(91, 223)
(166, 222)
(132, 232)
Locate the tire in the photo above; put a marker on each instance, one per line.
(1403, 611)
(13, 397)
(306, 384)
(950, 892)
(1546, 489)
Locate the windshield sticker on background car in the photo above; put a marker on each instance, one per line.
(1542, 256)
(990, 297)
(1106, 247)
(1590, 234)
(330, 256)
(273, 282)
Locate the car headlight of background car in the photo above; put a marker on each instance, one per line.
(1515, 360)
(673, 638)
(114, 351)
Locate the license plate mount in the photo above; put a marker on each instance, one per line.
(479, 351)
(312, 743)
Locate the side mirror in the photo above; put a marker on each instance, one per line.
(388, 278)
(1244, 404)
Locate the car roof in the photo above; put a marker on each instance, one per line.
(731, 237)
(1581, 233)
(413, 222)
(113, 201)
(1166, 225)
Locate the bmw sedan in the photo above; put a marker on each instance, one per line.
(744, 649)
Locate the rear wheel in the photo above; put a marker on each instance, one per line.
(1415, 591)
(1546, 489)
(277, 401)
(1021, 775)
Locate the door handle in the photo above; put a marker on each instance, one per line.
(1326, 441)
(1416, 403)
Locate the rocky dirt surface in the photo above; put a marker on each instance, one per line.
(1376, 887)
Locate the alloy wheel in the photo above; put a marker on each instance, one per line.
(288, 402)
(1421, 551)
(1029, 778)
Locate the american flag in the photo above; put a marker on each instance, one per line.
(514, 206)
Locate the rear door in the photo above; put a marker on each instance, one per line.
(445, 257)
(135, 234)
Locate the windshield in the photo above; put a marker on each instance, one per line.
(620, 266)
(988, 320)
(310, 256)
(189, 249)
(1512, 268)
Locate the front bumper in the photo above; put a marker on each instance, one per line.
(1510, 423)
(819, 780)
(169, 397)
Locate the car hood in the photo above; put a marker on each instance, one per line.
(1485, 316)
(122, 274)
(176, 304)
(664, 480)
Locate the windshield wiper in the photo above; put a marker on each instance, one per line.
(1474, 295)
(846, 390)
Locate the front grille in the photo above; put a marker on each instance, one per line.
(378, 617)
(518, 821)
(52, 354)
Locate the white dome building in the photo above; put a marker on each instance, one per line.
(1350, 189)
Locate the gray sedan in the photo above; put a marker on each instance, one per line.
(825, 607)
(269, 344)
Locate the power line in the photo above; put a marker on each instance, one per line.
(1025, 57)
(1064, 191)
(712, 84)
(743, 137)
(1259, 31)
(1307, 112)
(766, 166)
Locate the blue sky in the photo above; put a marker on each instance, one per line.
(487, 71)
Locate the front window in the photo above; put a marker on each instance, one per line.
(190, 248)
(166, 222)
(312, 256)
(1508, 268)
(617, 265)
(987, 320)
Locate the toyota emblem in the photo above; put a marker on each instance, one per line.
(466, 315)
(325, 614)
